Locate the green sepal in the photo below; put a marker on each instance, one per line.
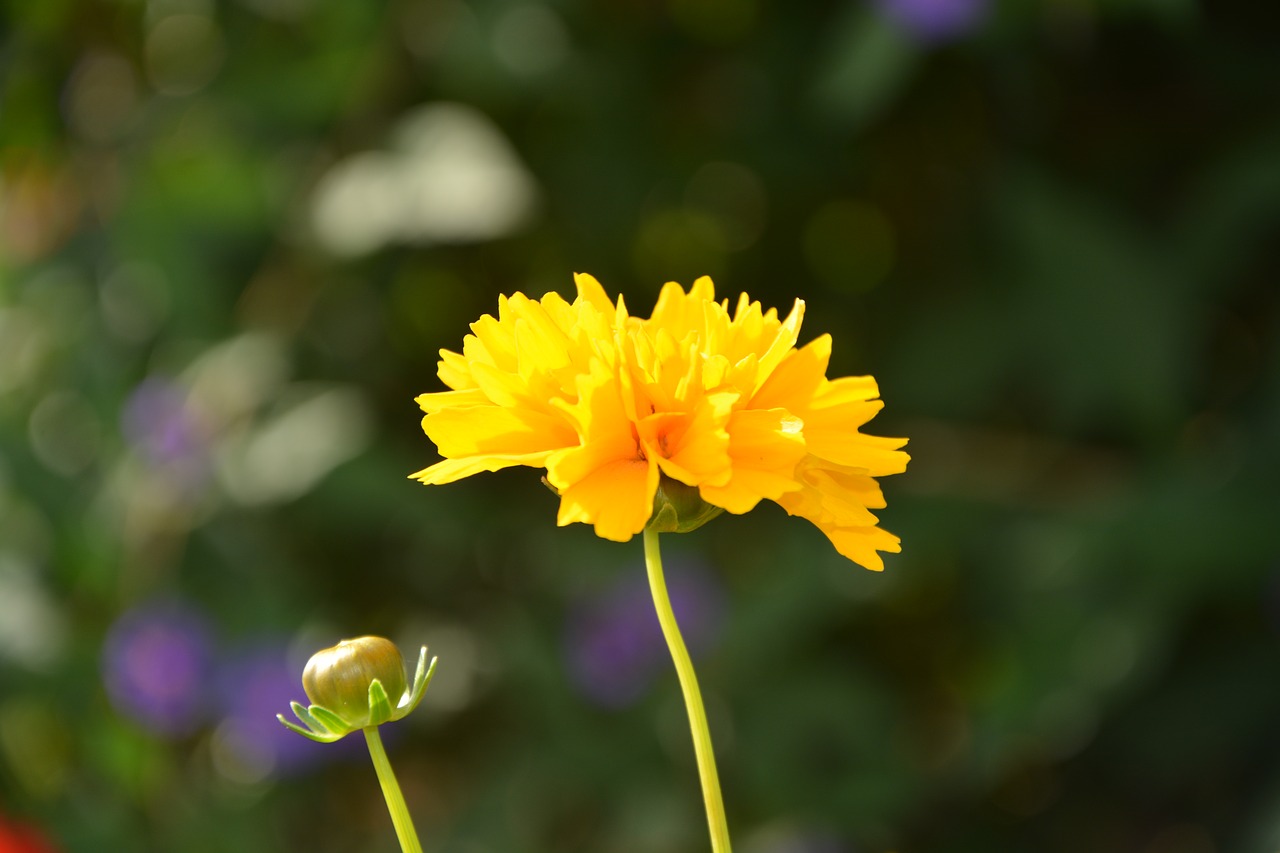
(307, 719)
(421, 678)
(330, 721)
(679, 508)
(379, 704)
(318, 737)
(315, 728)
(665, 519)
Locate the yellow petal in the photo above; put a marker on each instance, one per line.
(495, 338)
(703, 289)
(449, 470)
(500, 386)
(491, 430)
(591, 292)
(784, 339)
(439, 400)
(671, 309)
(454, 370)
(847, 389)
(679, 312)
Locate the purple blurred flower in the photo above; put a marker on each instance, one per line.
(255, 685)
(160, 423)
(156, 665)
(614, 645)
(935, 20)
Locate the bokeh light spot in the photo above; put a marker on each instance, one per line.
(33, 628)
(849, 245)
(530, 40)
(679, 245)
(715, 21)
(184, 53)
(734, 196)
(135, 301)
(64, 433)
(102, 96)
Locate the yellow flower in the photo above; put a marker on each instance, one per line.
(610, 404)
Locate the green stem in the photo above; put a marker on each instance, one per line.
(692, 697)
(391, 791)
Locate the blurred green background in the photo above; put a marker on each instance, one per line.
(233, 236)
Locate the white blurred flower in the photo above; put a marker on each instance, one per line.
(450, 177)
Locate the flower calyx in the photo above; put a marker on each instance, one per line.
(357, 684)
(679, 508)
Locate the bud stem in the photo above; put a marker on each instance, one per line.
(716, 822)
(391, 791)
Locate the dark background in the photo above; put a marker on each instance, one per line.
(233, 236)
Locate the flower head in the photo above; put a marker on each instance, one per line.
(613, 406)
(357, 684)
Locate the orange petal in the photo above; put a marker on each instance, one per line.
(604, 432)
(831, 496)
(877, 455)
(692, 447)
(764, 449)
(617, 498)
(860, 544)
(796, 379)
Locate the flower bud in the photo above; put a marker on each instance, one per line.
(679, 508)
(338, 678)
(357, 684)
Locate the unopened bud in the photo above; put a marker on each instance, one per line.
(356, 684)
(338, 678)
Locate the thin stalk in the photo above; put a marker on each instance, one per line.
(692, 697)
(391, 791)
